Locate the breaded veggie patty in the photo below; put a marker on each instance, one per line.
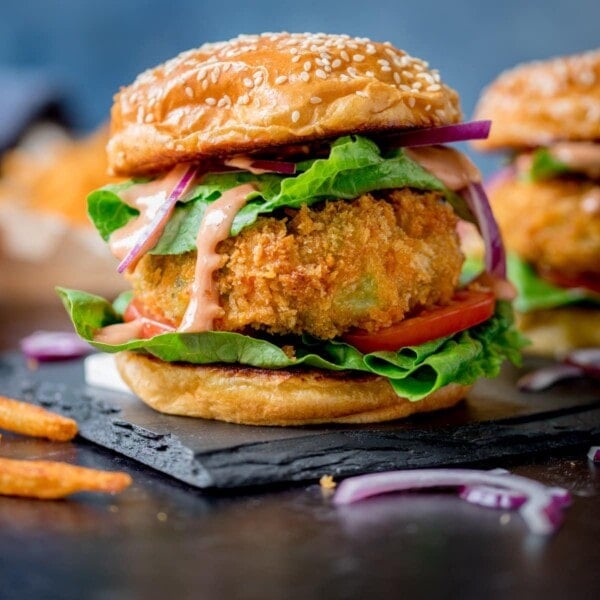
(323, 269)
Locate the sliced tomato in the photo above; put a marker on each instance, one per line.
(150, 327)
(588, 282)
(467, 308)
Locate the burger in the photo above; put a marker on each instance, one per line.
(547, 200)
(288, 229)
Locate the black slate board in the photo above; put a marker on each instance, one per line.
(495, 421)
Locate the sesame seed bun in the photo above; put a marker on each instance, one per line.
(538, 103)
(257, 92)
(254, 396)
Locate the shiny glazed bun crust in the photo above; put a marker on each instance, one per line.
(252, 396)
(537, 103)
(256, 92)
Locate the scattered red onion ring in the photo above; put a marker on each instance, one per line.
(542, 379)
(578, 363)
(586, 359)
(161, 217)
(54, 345)
(461, 132)
(541, 511)
(495, 256)
(491, 497)
(594, 454)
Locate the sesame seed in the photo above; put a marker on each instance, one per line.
(370, 49)
(244, 99)
(383, 62)
(345, 55)
(296, 58)
(205, 84)
(386, 69)
(361, 93)
(281, 79)
(417, 85)
(428, 107)
(214, 76)
(249, 83)
(315, 100)
(412, 101)
(149, 118)
(226, 67)
(370, 74)
(170, 145)
(321, 74)
(352, 72)
(189, 92)
(336, 63)
(307, 65)
(435, 87)
(295, 116)
(304, 76)
(210, 101)
(396, 77)
(222, 103)
(201, 74)
(344, 77)
(358, 57)
(179, 148)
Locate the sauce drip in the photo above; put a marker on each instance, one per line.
(119, 333)
(450, 166)
(148, 198)
(204, 306)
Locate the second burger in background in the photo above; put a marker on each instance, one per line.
(547, 201)
(290, 236)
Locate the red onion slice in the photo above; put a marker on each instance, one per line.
(258, 166)
(274, 166)
(54, 345)
(542, 512)
(586, 359)
(491, 497)
(495, 256)
(542, 379)
(594, 454)
(461, 132)
(160, 219)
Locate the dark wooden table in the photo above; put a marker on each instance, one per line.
(163, 539)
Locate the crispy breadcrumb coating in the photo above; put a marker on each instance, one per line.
(322, 270)
(553, 224)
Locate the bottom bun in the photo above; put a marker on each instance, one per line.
(555, 332)
(253, 396)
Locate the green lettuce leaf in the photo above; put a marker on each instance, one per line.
(413, 372)
(535, 293)
(354, 166)
(545, 166)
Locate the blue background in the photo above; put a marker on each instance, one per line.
(92, 48)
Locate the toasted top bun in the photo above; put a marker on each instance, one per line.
(256, 92)
(538, 103)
